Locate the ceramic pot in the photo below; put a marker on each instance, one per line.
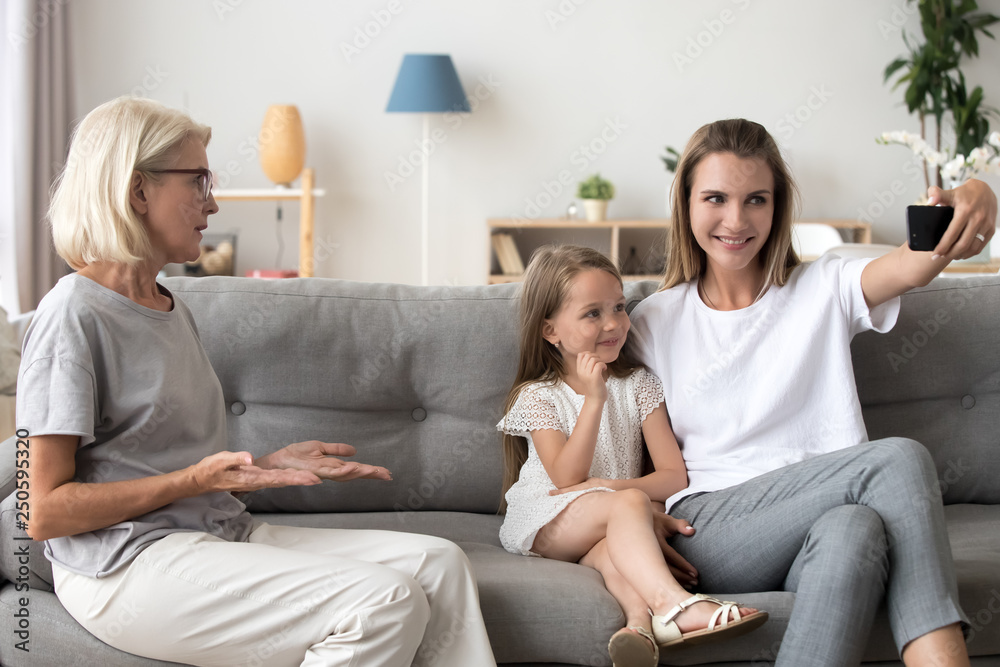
(596, 210)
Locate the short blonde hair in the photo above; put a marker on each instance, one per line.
(744, 139)
(90, 214)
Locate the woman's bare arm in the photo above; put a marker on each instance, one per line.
(61, 506)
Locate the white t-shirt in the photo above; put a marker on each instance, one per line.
(753, 390)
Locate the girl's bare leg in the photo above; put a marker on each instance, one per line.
(633, 606)
(625, 519)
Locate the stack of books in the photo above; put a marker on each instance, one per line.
(507, 254)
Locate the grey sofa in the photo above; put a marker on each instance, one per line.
(415, 378)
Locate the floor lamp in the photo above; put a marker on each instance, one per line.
(427, 84)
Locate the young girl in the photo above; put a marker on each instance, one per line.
(574, 425)
(754, 352)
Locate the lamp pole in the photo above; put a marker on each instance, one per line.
(426, 84)
(425, 206)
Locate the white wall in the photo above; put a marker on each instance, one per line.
(561, 73)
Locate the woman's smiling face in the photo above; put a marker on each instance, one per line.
(732, 208)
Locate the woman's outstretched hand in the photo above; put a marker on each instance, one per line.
(975, 213)
(319, 459)
(300, 464)
(235, 472)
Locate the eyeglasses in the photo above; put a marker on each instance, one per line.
(205, 178)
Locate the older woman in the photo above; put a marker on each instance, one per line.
(131, 486)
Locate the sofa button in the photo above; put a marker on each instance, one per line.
(418, 414)
(968, 401)
(237, 408)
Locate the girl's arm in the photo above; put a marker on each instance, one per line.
(670, 474)
(903, 269)
(61, 506)
(567, 460)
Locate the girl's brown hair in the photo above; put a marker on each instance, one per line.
(547, 281)
(744, 139)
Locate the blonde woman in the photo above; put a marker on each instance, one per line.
(754, 352)
(147, 527)
(574, 426)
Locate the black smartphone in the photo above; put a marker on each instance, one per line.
(925, 225)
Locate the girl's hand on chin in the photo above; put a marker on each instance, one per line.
(590, 370)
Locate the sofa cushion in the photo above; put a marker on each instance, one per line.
(538, 609)
(974, 533)
(56, 638)
(454, 526)
(413, 377)
(525, 598)
(934, 378)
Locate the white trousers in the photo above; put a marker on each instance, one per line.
(289, 596)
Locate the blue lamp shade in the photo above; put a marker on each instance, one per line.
(427, 84)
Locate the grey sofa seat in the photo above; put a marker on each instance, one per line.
(415, 379)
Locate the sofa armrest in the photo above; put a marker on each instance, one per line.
(7, 466)
(7, 473)
(11, 337)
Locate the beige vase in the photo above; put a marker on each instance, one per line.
(282, 144)
(596, 210)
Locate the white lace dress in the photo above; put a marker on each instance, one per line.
(618, 454)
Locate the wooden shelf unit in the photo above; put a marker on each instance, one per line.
(306, 196)
(614, 228)
(860, 231)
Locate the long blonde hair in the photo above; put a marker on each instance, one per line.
(744, 139)
(547, 282)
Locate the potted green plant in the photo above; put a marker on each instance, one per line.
(595, 193)
(935, 87)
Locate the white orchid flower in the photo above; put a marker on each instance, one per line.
(952, 171)
(978, 157)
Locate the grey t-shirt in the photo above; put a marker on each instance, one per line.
(137, 387)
